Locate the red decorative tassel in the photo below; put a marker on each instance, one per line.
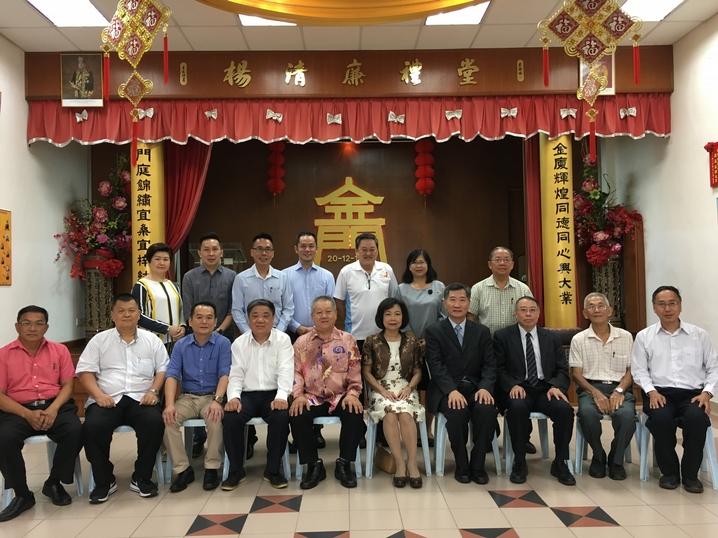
(592, 141)
(133, 144)
(166, 59)
(546, 68)
(106, 77)
(636, 64)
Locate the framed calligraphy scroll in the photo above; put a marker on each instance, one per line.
(5, 248)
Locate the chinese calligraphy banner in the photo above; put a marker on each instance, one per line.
(560, 285)
(148, 203)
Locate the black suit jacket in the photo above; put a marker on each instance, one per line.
(448, 362)
(511, 362)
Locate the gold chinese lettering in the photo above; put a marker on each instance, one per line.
(238, 74)
(411, 74)
(466, 71)
(353, 75)
(297, 71)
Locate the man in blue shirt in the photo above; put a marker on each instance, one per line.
(262, 281)
(199, 372)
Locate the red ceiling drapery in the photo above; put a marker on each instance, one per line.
(307, 120)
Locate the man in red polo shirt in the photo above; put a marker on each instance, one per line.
(36, 377)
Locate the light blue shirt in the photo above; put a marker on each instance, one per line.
(307, 285)
(249, 285)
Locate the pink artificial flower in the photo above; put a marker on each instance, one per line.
(99, 214)
(102, 239)
(600, 236)
(589, 184)
(125, 176)
(119, 202)
(616, 248)
(104, 188)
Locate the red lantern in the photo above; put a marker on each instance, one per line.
(424, 170)
(425, 186)
(275, 175)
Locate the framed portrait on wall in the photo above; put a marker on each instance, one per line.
(607, 66)
(81, 82)
(5, 248)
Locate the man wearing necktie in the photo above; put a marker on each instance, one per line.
(533, 376)
(461, 365)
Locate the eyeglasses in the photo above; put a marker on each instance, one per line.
(502, 260)
(25, 324)
(596, 307)
(667, 304)
(263, 249)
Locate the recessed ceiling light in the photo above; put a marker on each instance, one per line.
(650, 10)
(73, 13)
(467, 15)
(250, 20)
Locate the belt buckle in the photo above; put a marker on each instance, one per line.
(608, 382)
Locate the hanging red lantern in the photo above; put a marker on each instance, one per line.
(424, 172)
(425, 186)
(275, 175)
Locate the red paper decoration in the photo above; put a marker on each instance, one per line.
(712, 149)
(275, 175)
(424, 171)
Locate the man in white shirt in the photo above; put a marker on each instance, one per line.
(364, 283)
(676, 365)
(122, 370)
(259, 382)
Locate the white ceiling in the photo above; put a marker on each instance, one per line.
(195, 26)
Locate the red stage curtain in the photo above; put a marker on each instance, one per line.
(306, 120)
(532, 210)
(185, 173)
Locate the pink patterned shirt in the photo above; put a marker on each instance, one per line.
(326, 370)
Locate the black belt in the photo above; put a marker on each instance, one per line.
(200, 393)
(602, 382)
(38, 403)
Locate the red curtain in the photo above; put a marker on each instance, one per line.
(185, 174)
(532, 211)
(305, 120)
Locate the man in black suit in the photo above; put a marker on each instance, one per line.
(463, 372)
(533, 376)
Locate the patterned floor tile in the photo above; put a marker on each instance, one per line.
(584, 516)
(517, 498)
(322, 534)
(217, 524)
(268, 504)
(405, 534)
(489, 533)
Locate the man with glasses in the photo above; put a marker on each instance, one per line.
(262, 281)
(36, 382)
(675, 364)
(600, 362)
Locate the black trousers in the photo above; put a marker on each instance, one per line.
(483, 423)
(66, 431)
(352, 430)
(662, 423)
(101, 422)
(519, 423)
(256, 404)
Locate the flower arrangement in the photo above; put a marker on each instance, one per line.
(100, 227)
(601, 225)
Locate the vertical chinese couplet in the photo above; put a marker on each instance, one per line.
(557, 232)
(148, 203)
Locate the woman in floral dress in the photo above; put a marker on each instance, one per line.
(391, 364)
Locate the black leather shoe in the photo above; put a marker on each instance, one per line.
(250, 448)
(530, 448)
(277, 481)
(57, 493)
(519, 472)
(182, 480)
(668, 482)
(211, 479)
(462, 477)
(314, 474)
(597, 469)
(343, 472)
(17, 506)
(692, 485)
(560, 470)
(399, 481)
(234, 479)
(479, 476)
(319, 440)
(616, 472)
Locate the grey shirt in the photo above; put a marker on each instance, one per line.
(199, 284)
(424, 306)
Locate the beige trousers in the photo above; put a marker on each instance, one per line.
(191, 406)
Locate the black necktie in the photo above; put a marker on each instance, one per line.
(531, 372)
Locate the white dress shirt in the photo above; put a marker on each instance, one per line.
(265, 366)
(684, 359)
(537, 350)
(123, 368)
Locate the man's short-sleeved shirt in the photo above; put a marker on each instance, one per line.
(27, 378)
(364, 292)
(494, 306)
(123, 368)
(599, 360)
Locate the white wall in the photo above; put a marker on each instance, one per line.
(667, 180)
(37, 183)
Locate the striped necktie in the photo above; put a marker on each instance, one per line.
(531, 372)
(460, 334)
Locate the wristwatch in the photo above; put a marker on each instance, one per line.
(154, 391)
(619, 390)
(219, 399)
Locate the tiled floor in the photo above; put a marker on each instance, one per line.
(443, 508)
